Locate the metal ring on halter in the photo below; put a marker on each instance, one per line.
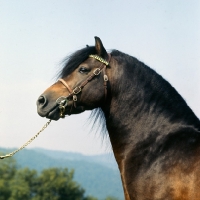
(62, 111)
(62, 102)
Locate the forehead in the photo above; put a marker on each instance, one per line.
(72, 61)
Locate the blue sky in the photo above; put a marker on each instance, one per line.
(36, 35)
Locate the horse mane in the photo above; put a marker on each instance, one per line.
(152, 89)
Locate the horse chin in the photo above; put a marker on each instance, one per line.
(54, 114)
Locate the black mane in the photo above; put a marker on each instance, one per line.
(152, 88)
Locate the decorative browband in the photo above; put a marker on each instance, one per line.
(99, 59)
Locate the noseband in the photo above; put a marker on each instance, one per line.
(63, 101)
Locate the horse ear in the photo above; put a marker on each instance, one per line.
(100, 48)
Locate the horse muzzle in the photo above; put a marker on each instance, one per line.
(50, 109)
(57, 109)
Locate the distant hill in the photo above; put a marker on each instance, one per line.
(106, 160)
(98, 175)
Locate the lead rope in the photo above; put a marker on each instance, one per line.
(27, 143)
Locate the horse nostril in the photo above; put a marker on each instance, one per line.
(41, 101)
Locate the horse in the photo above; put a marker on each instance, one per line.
(154, 134)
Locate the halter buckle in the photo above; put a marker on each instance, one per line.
(97, 71)
(76, 90)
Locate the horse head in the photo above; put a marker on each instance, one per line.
(82, 84)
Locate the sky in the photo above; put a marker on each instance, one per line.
(35, 36)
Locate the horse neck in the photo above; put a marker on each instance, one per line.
(142, 105)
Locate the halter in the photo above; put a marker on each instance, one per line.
(63, 101)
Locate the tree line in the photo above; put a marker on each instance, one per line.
(50, 184)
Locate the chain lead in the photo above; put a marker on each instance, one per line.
(27, 143)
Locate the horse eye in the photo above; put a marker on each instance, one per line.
(83, 70)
